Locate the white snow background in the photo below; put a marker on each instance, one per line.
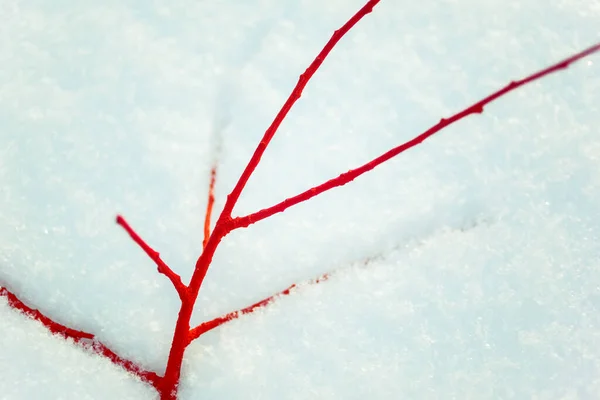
(469, 266)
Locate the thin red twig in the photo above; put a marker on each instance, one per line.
(209, 204)
(162, 267)
(477, 108)
(84, 339)
(216, 322)
(51, 325)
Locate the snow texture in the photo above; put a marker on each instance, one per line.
(468, 268)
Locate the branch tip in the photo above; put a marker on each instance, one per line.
(161, 266)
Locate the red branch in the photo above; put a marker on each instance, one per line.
(216, 322)
(162, 267)
(294, 96)
(209, 204)
(84, 339)
(224, 223)
(477, 108)
(183, 335)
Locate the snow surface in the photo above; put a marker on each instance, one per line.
(469, 267)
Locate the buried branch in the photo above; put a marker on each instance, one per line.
(346, 177)
(204, 327)
(84, 339)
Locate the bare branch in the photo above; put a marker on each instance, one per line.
(477, 108)
(364, 263)
(162, 267)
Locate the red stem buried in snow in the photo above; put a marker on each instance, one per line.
(87, 340)
(209, 204)
(216, 322)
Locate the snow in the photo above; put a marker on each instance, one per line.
(468, 267)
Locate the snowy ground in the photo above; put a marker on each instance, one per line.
(470, 266)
